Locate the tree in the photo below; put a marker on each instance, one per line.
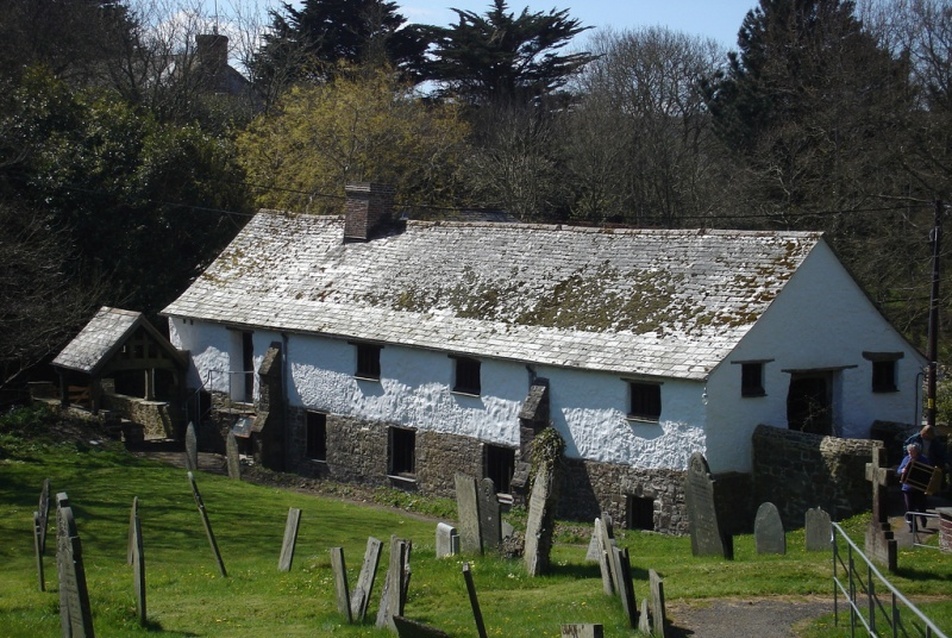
(638, 144)
(367, 127)
(500, 58)
(309, 44)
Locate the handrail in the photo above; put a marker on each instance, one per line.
(873, 602)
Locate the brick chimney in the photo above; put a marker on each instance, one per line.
(367, 209)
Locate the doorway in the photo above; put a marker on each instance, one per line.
(810, 402)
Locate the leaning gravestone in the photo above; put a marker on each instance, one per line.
(540, 523)
(768, 530)
(75, 613)
(626, 590)
(393, 596)
(207, 524)
(41, 579)
(659, 620)
(817, 526)
(340, 583)
(490, 520)
(707, 539)
(290, 539)
(43, 514)
(191, 448)
(231, 456)
(365, 581)
(138, 562)
(605, 535)
(644, 619)
(583, 631)
(467, 506)
(407, 628)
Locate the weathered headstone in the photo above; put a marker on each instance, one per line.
(290, 539)
(490, 519)
(138, 562)
(340, 583)
(75, 613)
(41, 579)
(540, 522)
(769, 536)
(467, 506)
(818, 530)
(626, 589)
(474, 601)
(644, 622)
(659, 620)
(133, 514)
(880, 543)
(191, 448)
(43, 514)
(207, 524)
(605, 537)
(447, 540)
(583, 631)
(407, 628)
(231, 456)
(365, 581)
(707, 539)
(393, 596)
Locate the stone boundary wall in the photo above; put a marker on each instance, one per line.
(797, 471)
(154, 416)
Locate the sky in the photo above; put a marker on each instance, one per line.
(716, 19)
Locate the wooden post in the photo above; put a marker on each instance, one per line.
(473, 601)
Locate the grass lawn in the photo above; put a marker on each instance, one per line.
(186, 595)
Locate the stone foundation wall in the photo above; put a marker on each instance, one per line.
(797, 471)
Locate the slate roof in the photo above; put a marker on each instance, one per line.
(660, 303)
(105, 333)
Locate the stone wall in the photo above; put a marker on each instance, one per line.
(154, 416)
(797, 471)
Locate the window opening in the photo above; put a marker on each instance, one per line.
(368, 361)
(645, 401)
(752, 380)
(467, 376)
(498, 465)
(402, 452)
(884, 376)
(248, 366)
(639, 512)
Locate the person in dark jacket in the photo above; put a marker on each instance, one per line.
(913, 497)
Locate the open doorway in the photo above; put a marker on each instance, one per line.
(810, 402)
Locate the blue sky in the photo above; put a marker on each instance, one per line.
(717, 19)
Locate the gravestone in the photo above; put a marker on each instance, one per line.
(707, 539)
(626, 590)
(583, 631)
(407, 628)
(447, 540)
(605, 535)
(207, 525)
(467, 507)
(133, 513)
(191, 448)
(817, 528)
(659, 620)
(365, 581)
(393, 596)
(138, 562)
(41, 579)
(540, 523)
(340, 583)
(231, 456)
(769, 536)
(290, 539)
(75, 613)
(43, 514)
(474, 601)
(490, 520)
(880, 543)
(644, 623)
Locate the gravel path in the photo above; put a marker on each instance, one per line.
(774, 617)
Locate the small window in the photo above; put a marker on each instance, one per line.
(645, 401)
(402, 452)
(467, 376)
(368, 361)
(752, 380)
(499, 464)
(884, 376)
(315, 436)
(639, 512)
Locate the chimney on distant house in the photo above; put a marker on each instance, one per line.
(367, 210)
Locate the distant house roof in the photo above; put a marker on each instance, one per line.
(103, 337)
(660, 303)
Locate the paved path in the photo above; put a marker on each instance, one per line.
(773, 617)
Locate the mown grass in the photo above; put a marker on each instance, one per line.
(187, 596)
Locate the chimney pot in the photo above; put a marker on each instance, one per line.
(367, 209)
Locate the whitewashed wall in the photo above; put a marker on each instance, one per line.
(588, 409)
(822, 319)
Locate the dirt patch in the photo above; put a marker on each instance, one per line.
(771, 617)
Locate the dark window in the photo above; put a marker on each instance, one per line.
(752, 380)
(884, 376)
(315, 436)
(499, 463)
(645, 401)
(402, 452)
(368, 361)
(467, 376)
(248, 366)
(639, 512)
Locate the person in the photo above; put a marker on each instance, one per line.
(934, 449)
(913, 497)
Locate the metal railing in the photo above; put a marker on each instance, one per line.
(862, 585)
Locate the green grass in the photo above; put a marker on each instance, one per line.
(188, 597)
